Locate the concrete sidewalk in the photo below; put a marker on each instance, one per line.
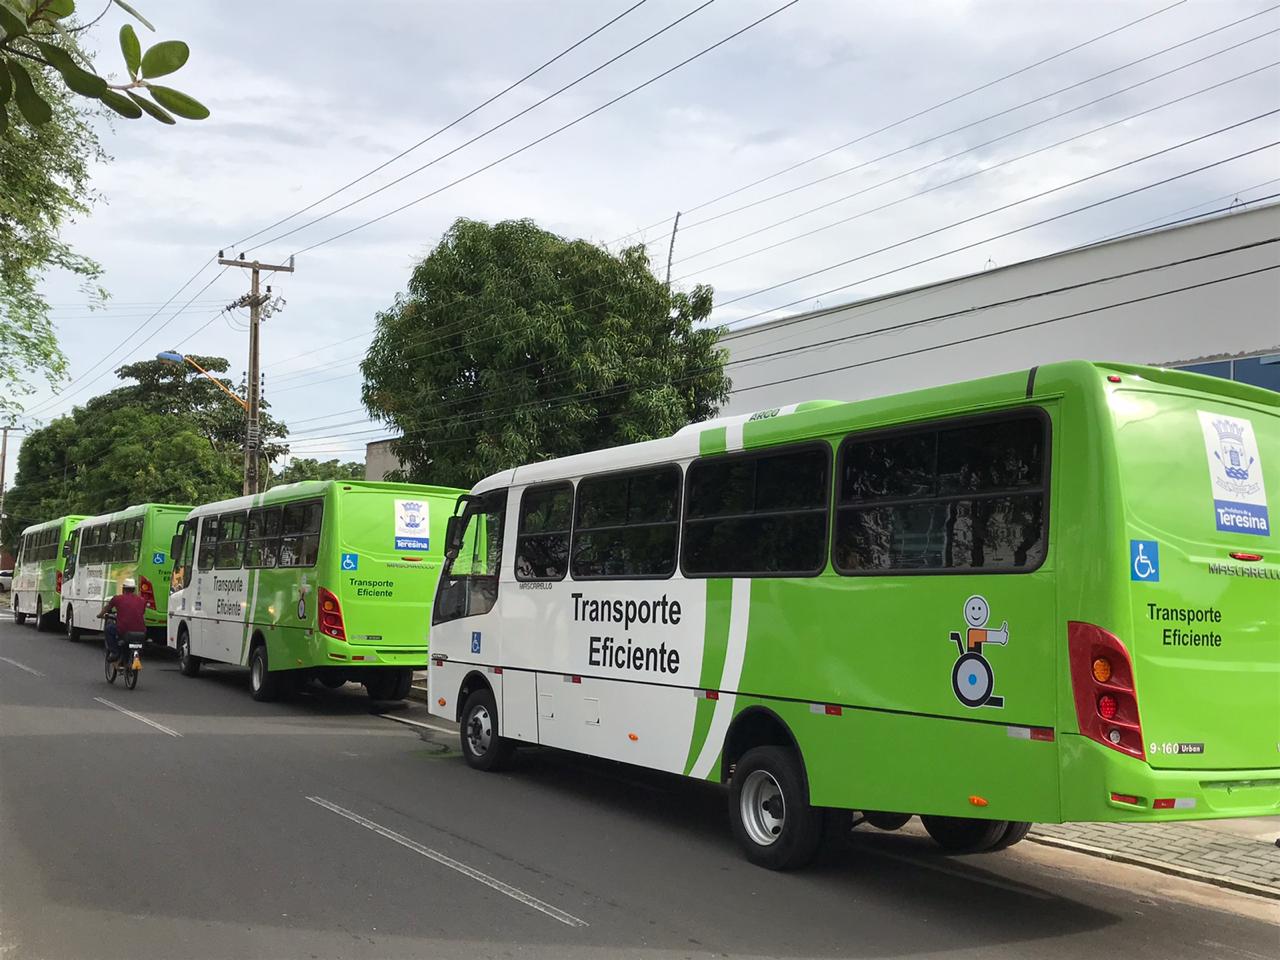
(1238, 854)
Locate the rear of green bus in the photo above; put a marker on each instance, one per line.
(155, 565)
(1174, 675)
(378, 576)
(37, 578)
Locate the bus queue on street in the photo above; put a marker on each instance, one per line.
(1044, 596)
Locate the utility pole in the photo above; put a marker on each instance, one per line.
(255, 301)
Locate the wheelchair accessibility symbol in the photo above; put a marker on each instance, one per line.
(1144, 561)
(972, 679)
(351, 561)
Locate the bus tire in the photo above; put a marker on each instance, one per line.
(188, 663)
(264, 686)
(402, 685)
(74, 633)
(44, 621)
(1016, 833)
(964, 834)
(18, 616)
(334, 681)
(770, 812)
(482, 746)
(882, 820)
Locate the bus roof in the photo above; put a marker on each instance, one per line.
(137, 510)
(822, 417)
(55, 522)
(309, 489)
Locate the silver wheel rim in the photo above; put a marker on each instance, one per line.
(183, 653)
(256, 673)
(479, 731)
(762, 807)
(70, 622)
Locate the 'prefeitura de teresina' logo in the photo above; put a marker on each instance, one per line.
(1235, 472)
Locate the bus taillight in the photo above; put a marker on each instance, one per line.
(1106, 701)
(57, 582)
(331, 624)
(147, 592)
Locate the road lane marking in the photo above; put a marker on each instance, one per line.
(22, 666)
(137, 716)
(419, 723)
(515, 893)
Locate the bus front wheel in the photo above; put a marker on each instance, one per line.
(188, 664)
(770, 812)
(73, 632)
(965, 835)
(482, 747)
(263, 684)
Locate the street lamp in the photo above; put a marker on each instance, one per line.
(172, 356)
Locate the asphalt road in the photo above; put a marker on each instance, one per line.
(317, 829)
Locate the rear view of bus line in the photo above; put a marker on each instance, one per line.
(1047, 596)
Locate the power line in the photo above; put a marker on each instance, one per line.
(908, 353)
(558, 130)
(448, 126)
(329, 365)
(971, 219)
(949, 315)
(495, 127)
(920, 113)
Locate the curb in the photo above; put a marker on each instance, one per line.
(1188, 873)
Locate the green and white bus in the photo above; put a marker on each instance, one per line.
(1045, 596)
(331, 580)
(37, 578)
(104, 551)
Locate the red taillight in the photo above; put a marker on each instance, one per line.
(330, 616)
(147, 592)
(1113, 379)
(1125, 798)
(1251, 557)
(1162, 803)
(1107, 711)
(57, 584)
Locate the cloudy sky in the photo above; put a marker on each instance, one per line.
(308, 96)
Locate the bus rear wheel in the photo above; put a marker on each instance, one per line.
(770, 812)
(18, 616)
(886, 821)
(482, 746)
(44, 621)
(1016, 833)
(964, 834)
(389, 684)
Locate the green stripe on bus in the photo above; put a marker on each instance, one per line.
(715, 440)
(715, 647)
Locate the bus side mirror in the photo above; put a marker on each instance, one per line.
(66, 549)
(175, 547)
(453, 538)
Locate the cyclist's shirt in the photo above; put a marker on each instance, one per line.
(130, 613)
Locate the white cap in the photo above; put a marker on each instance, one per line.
(129, 584)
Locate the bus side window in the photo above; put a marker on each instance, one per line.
(626, 525)
(263, 545)
(73, 554)
(964, 496)
(208, 542)
(230, 552)
(300, 533)
(542, 541)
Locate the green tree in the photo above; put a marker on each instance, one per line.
(306, 469)
(513, 345)
(49, 89)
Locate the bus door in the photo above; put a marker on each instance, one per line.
(200, 597)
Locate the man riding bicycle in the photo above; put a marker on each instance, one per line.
(130, 617)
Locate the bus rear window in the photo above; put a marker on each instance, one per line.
(944, 498)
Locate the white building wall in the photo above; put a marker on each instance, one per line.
(793, 359)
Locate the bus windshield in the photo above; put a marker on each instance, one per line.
(469, 581)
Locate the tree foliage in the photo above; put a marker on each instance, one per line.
(171, 436)
(513, 345)
(307, 469)
(49, 90)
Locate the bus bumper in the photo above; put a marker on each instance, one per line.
(340, 654)
(1103, 785)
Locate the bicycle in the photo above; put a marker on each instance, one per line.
(130, 662)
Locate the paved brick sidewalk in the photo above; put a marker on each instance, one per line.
(1232, 860)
